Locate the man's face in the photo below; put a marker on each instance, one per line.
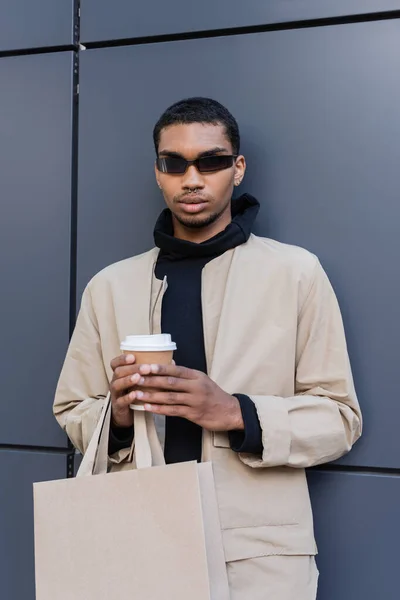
(197, 199)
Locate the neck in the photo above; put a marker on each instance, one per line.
(202, 234)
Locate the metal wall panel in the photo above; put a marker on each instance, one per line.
(117, 199)
(318, 109)
(35, 187)
(18, 471)
(357, 532)
(104, 20)
(27, 24)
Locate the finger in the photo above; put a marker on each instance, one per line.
(175, 410)
(123, 402)
(169, 370)
(164, 383)
(124, 383)
(125, 371)
(122, 359)
(163, 397)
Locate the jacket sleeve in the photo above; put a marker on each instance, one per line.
(120, 438)
(322, 420)
(83, 384)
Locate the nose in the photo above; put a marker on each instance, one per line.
(192, 179)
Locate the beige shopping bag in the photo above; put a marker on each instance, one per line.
(149, 533)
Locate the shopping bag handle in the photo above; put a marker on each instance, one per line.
(148, 451)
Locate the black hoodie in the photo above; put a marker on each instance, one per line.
(181, 316)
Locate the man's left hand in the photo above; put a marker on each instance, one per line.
(181, 392)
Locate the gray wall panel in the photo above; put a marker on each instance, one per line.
(117, 201)
(35, 187)
(357, 530)
(77, 462)
(104, 20)
(319, 116)
(27, 24)
(18, 471)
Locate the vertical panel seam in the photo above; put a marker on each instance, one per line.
(74, 193)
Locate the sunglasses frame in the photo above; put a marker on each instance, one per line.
(160, 163)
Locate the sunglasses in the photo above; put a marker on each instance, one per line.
(175, 165)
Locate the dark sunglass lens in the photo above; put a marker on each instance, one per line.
(170, 164)
(208, 164)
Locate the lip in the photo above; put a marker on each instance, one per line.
(192, 200)
(193, 206)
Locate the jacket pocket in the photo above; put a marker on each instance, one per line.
(221, 439)
(242, 543)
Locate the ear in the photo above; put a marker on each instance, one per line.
(240, 169)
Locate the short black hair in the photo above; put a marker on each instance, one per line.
(198, 110)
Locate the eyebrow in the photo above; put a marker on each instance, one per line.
(211, 152)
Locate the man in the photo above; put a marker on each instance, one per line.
(262, 385)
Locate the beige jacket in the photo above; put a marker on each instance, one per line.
(273, 331)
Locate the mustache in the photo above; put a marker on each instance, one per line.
(193, 196)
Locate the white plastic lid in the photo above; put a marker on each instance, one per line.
(148, 343)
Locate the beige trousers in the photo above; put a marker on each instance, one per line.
(273, 578)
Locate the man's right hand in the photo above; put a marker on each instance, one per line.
(126, 376)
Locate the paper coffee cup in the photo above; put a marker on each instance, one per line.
(155, 349)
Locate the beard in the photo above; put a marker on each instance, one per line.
(197, 221)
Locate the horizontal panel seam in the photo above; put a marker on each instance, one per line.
(41, 50)
(43, 449)
(360, 470)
